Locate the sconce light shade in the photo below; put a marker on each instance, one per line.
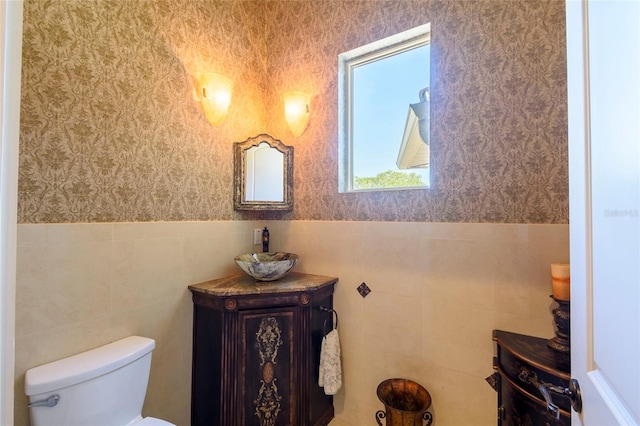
(296, 111)
(216, 96)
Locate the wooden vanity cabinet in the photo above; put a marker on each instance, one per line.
(256, 351)
(522, 364)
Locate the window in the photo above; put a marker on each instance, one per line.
(384, 111)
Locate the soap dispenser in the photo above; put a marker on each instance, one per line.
(265, 240)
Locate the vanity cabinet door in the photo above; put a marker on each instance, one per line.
(267, 369)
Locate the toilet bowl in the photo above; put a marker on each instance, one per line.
(105, 386)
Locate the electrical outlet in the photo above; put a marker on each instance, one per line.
(257, 236)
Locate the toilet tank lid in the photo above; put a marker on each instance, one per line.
(87, 365)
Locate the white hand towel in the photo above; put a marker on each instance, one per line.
(330, 377)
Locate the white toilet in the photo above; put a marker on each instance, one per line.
(105, 386)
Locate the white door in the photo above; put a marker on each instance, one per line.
(10, 65)
(603, 51)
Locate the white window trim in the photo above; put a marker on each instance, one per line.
(347, 61)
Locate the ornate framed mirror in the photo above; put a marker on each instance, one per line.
(263, 174)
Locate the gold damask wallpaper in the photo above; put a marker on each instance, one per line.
(111, 126)
(112, 131)
(499, 114)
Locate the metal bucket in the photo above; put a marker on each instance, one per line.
(405, 402)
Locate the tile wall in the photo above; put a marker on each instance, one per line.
(438, 290)
(80, 286)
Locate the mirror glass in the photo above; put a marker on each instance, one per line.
(264, 173)
(384, 112)
(263, 170)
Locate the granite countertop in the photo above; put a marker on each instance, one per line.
(242, 284)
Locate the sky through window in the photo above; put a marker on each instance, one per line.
(380, 107)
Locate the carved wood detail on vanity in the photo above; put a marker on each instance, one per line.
(256, 351)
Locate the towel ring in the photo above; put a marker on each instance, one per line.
(324, 325)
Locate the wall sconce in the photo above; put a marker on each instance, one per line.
(216, 96)
(296, 111)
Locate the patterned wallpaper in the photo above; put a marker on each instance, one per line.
(111, 130)
(111, 127)
(499, 115)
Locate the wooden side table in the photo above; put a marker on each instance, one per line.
(527, 369)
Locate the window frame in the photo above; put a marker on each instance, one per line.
(347, 61)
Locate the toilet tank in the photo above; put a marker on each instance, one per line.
(103, 386)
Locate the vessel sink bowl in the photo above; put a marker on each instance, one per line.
(266, 266)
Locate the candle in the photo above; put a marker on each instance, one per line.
(561, 281)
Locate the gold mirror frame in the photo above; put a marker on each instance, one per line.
(240, 174)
